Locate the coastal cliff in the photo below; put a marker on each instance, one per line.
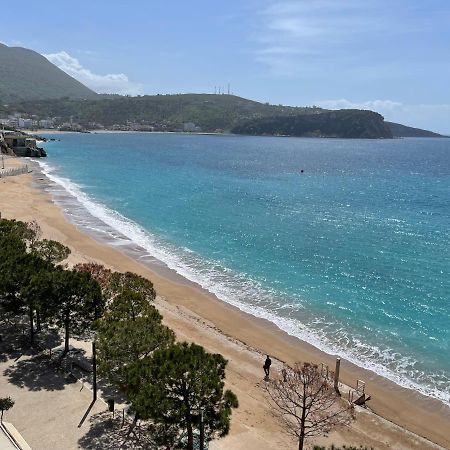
(346, 123)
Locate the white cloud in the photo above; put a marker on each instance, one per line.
(435, 117)
(373, 105)
(114, 83)
(304, 29)
(318, 31)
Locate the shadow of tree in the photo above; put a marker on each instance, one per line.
(14, 345)
(108, 390)
(107, 433)
(15, 340)
(36, 374)
(49, 338)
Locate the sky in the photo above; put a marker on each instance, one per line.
(391, 56)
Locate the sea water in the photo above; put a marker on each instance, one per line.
(343, 243)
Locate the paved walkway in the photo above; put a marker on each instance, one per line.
(49, 407)
(5, 443)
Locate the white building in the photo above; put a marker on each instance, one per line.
(46, 123)
(25, 123)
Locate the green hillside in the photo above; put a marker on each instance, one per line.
(209, 111)
(32, 86)
(345, 123)
(25, 74)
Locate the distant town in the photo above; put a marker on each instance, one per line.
(18, 121)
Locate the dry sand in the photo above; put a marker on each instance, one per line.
(398, 418)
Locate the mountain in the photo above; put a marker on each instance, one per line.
(399, 130)
(27, 75)
(344, 123)
(31, 85)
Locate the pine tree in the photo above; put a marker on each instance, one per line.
(20, 275)
(76, 302)
(51, 251)
(177, 386)
(130, 330)
(120, 282)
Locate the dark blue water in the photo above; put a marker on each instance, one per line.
(352, 255)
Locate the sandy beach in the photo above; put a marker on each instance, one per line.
(396, 418)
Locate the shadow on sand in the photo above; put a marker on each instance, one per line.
(27, 367)
(36, 374)
(108, 434)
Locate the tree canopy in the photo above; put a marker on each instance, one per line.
(51, 251)
(77, 302)
(179, 384)
(120, 282)
(130, 329)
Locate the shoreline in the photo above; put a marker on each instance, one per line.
(100, 223)
(422, 415)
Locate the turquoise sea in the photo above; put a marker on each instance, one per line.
(351, 255)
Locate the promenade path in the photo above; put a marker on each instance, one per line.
(48, 405)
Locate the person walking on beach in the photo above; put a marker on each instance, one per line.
(266, 367)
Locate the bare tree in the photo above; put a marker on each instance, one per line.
(306, 404)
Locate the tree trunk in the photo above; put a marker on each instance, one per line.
(202, 432)
(38, 320)
(30, 314)
(66, 338)
(302, 420)
(190, 443)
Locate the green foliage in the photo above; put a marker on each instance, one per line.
(130, 329)
(166, 112)
(120, 282)
(176, 384)
(343, 124)
(169, 384)
(51, 251)
(76, 302)
(5, 404)
(25, 74)
(20, 276)
(28, 233)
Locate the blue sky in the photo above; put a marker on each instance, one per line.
(390, 56)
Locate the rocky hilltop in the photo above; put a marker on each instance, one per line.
(345, 123)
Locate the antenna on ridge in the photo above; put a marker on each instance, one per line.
(228, 88)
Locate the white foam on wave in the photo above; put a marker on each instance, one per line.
(242, 292)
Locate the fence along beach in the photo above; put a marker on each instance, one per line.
(14, 171)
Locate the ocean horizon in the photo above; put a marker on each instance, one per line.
(341, 243)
